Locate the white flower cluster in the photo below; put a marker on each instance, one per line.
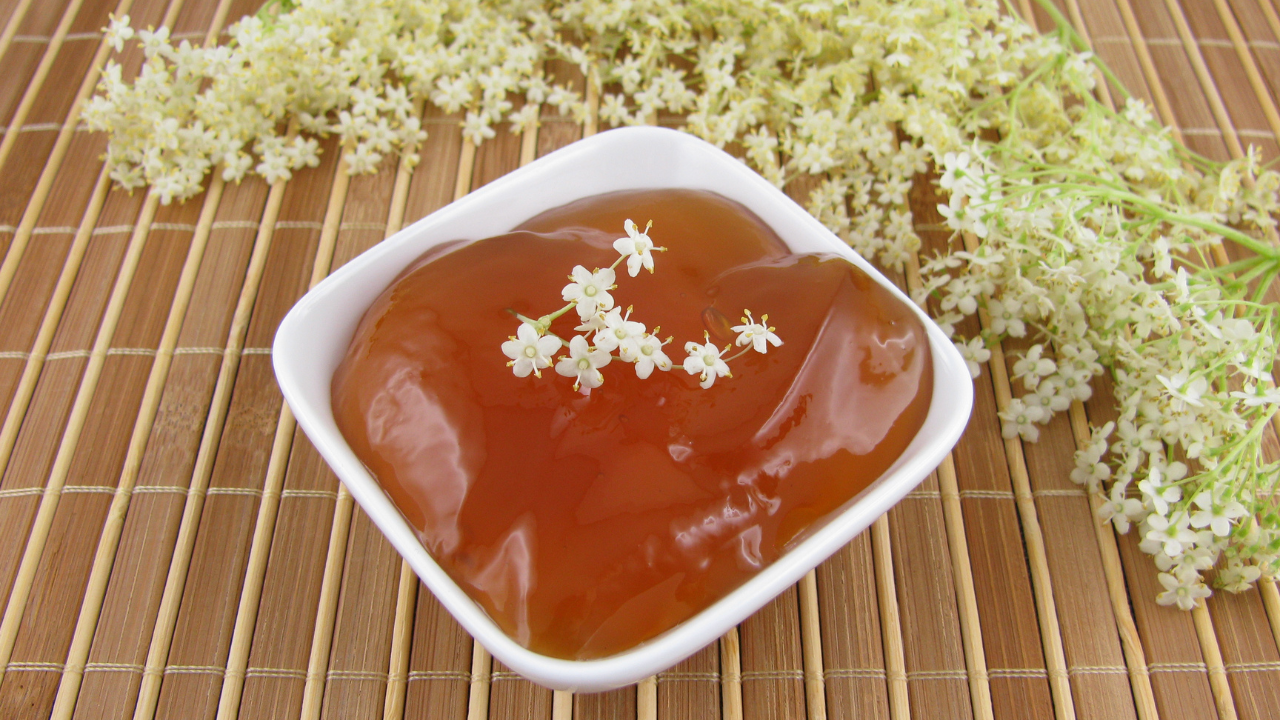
(1113, 267)
(1089, 228)
(336, 67)
(532, 347)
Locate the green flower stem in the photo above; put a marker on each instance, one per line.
(272, 9)
(1119, 194)
(543, 324)
(1069, 31)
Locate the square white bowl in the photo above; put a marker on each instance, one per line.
(314, 336)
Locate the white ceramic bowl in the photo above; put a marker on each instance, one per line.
(314, 336)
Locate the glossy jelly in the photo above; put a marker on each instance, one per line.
(587, 524)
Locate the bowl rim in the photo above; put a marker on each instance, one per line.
(325, 319)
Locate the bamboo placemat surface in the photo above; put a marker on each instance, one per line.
(172, 546)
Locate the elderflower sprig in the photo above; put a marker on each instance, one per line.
(531, 348)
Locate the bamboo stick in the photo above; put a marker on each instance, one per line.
(1113, 571)
(970, 621)
(647, 698)
(466, 166)
(1028, 14)
(1273, 19)
(481, 680)
(529, 140)
(104, 559)
(1213, 661)
(1148, 65)
(175, 581)
(730, 676)
(52, 317)
(975, 657)
(561, 705)
(322, 633)
(401, 640)
(1201, 69)
(1130, 641)
(35, 204)
(260, 550)
(35, 85)
(890, 622)
(1042, 582)
(1077, 20)
(811, 645)
(40, 529)
(592, 124)
(1271, 603)
(1251, 71)
(11, 26)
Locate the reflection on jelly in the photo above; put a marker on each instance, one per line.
(585, 525)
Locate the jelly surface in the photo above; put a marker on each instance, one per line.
(587, 524)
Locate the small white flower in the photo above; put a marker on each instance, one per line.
(1090, 472)
(1173, 535)
(957, 177)
(583, 364)
(704, 360)
(620, 334)
(636, 247)
(118, 32)
(756, 334)
(1032, 367)
(975, 353)
(593, 324)
(1256, 395)
(1006, 317)
(530, 353)
(1157, 494)
(1020, 419)
(1049, 396)
(1183, 589)
(590, 290)
(650, 355)
(1120, 509)
(1215, 515)
(1184, 390)
(1238, 577)
(958, 217)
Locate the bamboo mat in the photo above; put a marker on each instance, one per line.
(171, 546)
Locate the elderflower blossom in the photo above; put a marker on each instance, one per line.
(637, 248)
(1182, 589)
(590, 290)
(756, 334)
(583, 364)
(530, 352)
(705, 362)
(1086, 231)
(611, 331)
(649, 355)
(621, 334)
